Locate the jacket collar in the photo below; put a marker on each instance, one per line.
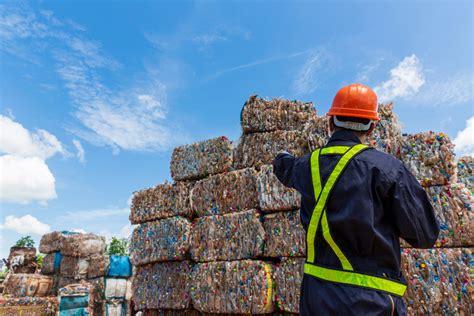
(343, 136)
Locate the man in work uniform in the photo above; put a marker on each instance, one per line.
(356, 203)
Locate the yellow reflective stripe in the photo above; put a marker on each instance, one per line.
(340, 150)
(314, 221)
(321, 201)
(346, 265)
(357, 279)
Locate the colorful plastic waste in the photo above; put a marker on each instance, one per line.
(257, 149)
(232, 236)
(162, 286)
(453, 205)
(198, 160)
(288, 275)
(285, 235)
(387, 136)
(244, 286)
(430, 157)
(31, 306)
(27, 284)
(162, 240)
(465, 172)
(274, 196)
(164, 200)
(225, 193)
(440, 281)
(51, 263)
(84, 268)
(260, 115)
(82, 245)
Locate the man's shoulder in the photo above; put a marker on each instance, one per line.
(387, 163)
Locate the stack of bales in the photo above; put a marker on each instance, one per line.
(86, 278)
(226, 236)
(26, 292)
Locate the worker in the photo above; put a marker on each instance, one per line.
(356, 203)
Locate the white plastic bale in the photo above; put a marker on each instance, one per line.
(162, 240)
(430, 157)
(198, 160)
(439, 281)
(162, 286)
(285, 235)
(82, 245)
(225, 193)
(164, 200)
(244, 286)
(260, 115)
(288, 275)
(115, 288)
(227, 237)
(274, 196)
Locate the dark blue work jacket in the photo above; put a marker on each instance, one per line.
(374, 203)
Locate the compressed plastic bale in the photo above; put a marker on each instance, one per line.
(115, 288)
(224, 193)
(82, 245)
(26, 284)
(51, 263)
(386, 136)
(116, 308)
(119, 267)
(98, 266)
(162, 286)
(22, 260)
(162, 240)
(164, 200)
(50, 242)
(198, 160)
(227, 237)
(233, 287)
(316, 131)
(255, 150)
(31, 306)
(465, 174)
(430, 157)
(285, 235)
(453, 205)
(288, 275)
(74, 268)
(274, 196)
(260, 115)
(439, 281)
(172, 312)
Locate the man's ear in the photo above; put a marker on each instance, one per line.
(330, 125)
(371, 129)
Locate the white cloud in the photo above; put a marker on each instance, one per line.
(451, 91)
(405, 80)
(17, 140)
(465, 139)
(80, 151)
(309, 77)
(25, 174)
(126, 231)
(208, 39)
(133, 118)
(25, 225)
(363, 76)
(25, 180)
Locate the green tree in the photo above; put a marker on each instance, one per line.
(26, 241)
(39, 260)
(118, 247)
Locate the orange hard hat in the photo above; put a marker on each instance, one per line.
(355, 100)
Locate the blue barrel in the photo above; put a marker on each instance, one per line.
(74, 312)
(120, 267)
(57, 261)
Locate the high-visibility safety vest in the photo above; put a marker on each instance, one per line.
(319, 217)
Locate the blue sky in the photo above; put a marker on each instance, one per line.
(95, 94)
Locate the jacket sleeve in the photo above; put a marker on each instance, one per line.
(294, 173)
(413, 213)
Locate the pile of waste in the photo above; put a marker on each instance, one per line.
(236, 245)
(85, 279)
